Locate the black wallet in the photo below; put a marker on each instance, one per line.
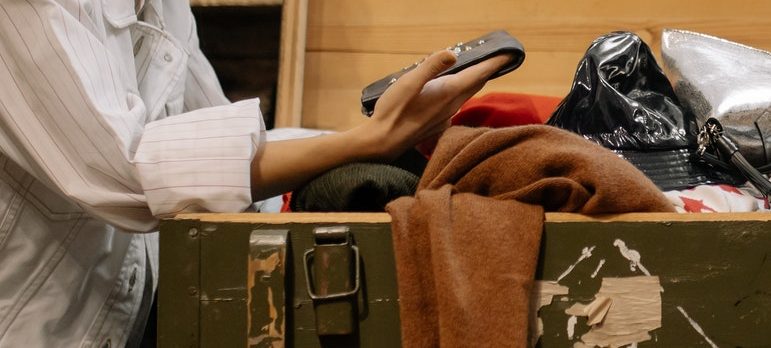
(468, 53)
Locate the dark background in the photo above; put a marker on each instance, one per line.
(242, 44)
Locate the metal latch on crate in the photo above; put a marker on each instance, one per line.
(332, 277)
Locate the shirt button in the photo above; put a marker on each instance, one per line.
(167, 57)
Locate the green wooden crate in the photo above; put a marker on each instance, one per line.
(713, 271)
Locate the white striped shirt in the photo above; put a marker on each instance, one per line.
(88, 150)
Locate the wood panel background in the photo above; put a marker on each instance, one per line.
(350, 43)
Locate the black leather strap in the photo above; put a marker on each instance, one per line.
(469, 53)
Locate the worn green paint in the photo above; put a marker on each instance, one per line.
(178, 291)
(224, 250)
(218, 315)
(266, 290)
(719, 272)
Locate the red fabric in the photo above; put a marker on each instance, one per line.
(496, 110)
(695, 205)
(286, 198)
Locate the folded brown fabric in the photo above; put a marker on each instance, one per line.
(466, 245)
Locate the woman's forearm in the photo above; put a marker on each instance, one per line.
(282, 166)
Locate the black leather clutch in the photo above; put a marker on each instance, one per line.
(469, 53)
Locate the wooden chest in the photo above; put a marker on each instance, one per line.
(714, 273)
(710, 275)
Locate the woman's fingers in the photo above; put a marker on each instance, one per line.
(477, 74)
(471, 78)
(412, 82)
(469, 81)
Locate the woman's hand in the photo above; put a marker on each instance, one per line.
(415, 108)
(419, 106)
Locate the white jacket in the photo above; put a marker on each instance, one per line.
(89, 151)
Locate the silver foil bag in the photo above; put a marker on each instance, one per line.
(724, 80)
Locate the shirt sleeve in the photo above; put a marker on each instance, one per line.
(68, 118)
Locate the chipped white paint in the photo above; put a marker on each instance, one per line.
(696, 327)
(572, 326)
(632, 255)
(594, 311)
(598, 309)
(542, 295)
(585, 254)
(544, 291)
(624, 311)
(577, 309)
(599, 266)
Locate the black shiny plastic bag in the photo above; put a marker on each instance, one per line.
(621, 99)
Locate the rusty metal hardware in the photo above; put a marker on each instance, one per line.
(329, 234)
(332, 277)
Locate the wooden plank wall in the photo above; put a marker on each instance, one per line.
(353, 42)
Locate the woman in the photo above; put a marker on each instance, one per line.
(111, 117)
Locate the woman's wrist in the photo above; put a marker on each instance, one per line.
(375, 141)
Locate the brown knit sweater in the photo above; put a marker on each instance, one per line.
(467, 244)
